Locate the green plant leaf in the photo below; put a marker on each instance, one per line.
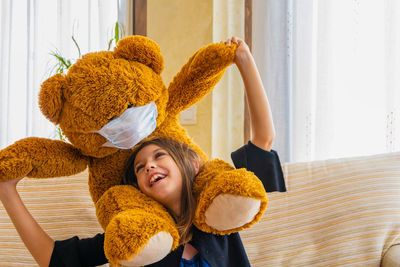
(62, 63)
(60, 134)
(116, 33)
(110, 43)
(77, 46)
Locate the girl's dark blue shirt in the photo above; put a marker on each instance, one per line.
(215, 250)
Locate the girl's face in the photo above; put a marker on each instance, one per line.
(158, 176)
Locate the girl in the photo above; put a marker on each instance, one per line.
(165, 170)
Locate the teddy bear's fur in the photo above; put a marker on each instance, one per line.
(98, 88)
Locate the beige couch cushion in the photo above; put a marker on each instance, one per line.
(62, 206)
(341, 212)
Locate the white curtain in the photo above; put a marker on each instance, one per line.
(30, 31)
(341, 60)
(271, 46)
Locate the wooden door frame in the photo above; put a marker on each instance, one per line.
(140, 17)
(248, 10)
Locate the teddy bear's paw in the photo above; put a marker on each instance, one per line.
(137, 238)
(12, 168)
(15, 161)
(228, 211)
(157, 248)
(231, 201)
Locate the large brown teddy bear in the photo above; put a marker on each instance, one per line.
(99, 88)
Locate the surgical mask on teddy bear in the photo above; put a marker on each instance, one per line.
(132, 126)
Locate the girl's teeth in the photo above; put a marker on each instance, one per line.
(156, 178)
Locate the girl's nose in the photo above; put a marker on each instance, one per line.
(150, 166)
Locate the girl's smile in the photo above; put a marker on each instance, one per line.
(156, 177)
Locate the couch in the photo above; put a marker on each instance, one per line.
(339, 212)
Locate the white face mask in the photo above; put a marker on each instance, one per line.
(130, 127)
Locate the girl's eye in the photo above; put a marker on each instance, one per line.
(159, 154)
(138, 168)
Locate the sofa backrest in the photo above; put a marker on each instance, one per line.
(62, 206)
(335, 213)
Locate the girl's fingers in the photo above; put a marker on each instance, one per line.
(234, 40)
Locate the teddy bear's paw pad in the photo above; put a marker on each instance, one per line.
(156, 249)
(222, 214)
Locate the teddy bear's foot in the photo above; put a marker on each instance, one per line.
(157, 248)
(138, 229)
(228, 211)
(137, 238)
(233, 200)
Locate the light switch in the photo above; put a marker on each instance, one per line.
(188, 116)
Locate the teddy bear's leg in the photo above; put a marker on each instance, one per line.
(229, 200)
(138, 230)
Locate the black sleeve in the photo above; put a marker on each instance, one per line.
(265, 165)
(79, 252)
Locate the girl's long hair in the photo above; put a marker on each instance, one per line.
(186, 159)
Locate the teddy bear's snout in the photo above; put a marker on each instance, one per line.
(132, 126)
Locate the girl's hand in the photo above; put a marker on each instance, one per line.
(8, 186)
(242, 52)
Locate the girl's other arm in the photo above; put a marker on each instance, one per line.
(39, 244)
(261, 122)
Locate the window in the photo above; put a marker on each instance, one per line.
(31, 31)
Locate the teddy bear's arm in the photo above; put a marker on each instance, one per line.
(40, 158)
(199, 76)
(229, 200)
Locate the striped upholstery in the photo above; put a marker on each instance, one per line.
(62, 206)
(341, 212)
(336, 213)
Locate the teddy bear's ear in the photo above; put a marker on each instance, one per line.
(141, 49)
(51, 97)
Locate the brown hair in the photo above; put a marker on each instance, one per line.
(186, 159)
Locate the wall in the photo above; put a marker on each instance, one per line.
(182, 27)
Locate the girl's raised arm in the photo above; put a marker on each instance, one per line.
(39, 244)
(262, 126)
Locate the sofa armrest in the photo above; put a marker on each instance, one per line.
(392, 257)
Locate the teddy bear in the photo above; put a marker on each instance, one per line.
(98, 89)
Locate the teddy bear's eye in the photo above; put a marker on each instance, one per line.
(110, 119)
(130, 105)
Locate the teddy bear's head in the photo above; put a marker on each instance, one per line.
(99, 87)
